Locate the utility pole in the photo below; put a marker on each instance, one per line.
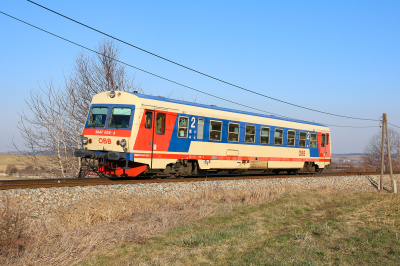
(388, 150)
(385, 127)
(382, 152)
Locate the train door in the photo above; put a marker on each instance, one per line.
(322, 146)
(163, 126)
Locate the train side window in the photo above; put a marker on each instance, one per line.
(160, 124)
(291, 135)
(149, 120)
(233, 132)
(313, 140)
(200, 128)
(323, 140)
(327, 139)
(98, 117)
(183, 123)
(302, 139)
(215, 130)
(264, 138)
(250, 134)
(278, 136)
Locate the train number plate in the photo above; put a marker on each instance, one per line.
(302, 153)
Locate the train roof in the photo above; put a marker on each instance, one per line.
(163, 99)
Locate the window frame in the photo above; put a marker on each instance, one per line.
(145, 119)
(327, 138)
(197, 135)
(283, 133)
(165, 122)
(305, 143)
(323, 139)
(91, 113)
(209, 130)
(316, 140)
(187, 128)
(269, 135)
(255, 131)
(109, 122)
(294, 138)
(238, 134)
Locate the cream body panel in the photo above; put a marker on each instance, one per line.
(96, 145)
(220, 149)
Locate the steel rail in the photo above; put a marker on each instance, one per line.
(73, 182)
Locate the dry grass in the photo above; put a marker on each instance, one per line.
(324, 227)
(214, 226)
(70, 235)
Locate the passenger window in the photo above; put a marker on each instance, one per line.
(183, 127)
(278, 137)
(250, 135)
(327, 139)
(120, 117)
(233, 132)
(323, 140)
(302, 139)
(200, 128)
(215, 130)
(98, 117)
(264, 135)
(160, 124)
(149, 120)
(291, 135)
(313, 140)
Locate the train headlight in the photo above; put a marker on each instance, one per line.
(112, 94)
(84, 140)
(123, 142)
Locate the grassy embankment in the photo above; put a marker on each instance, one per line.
(265, 226)
(310, 228)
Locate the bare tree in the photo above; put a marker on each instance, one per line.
(372, 157)
(57, 115)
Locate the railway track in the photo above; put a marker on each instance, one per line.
(72, 182)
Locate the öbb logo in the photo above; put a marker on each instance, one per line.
(104, 141)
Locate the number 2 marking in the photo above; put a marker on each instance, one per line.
(193, 121)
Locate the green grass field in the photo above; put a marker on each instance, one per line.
(332, 228)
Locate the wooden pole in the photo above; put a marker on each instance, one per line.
(388, 150)
(382, 152)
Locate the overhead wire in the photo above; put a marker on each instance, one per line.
(174, 82)
(198, 72)
(393, 125)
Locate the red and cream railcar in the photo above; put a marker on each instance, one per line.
(132, 134)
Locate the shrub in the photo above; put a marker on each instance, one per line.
(13, 227)
(11, 169)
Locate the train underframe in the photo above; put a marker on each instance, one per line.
(102, 164)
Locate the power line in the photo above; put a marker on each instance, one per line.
(394, 125)
(198, 72)
(177, 83)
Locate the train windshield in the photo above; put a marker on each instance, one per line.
(98, 117)
(120, 117)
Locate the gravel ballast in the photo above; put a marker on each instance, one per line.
(43, 200)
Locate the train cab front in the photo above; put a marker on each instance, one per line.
(107, 139)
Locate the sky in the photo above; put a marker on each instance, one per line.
(341, 57)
